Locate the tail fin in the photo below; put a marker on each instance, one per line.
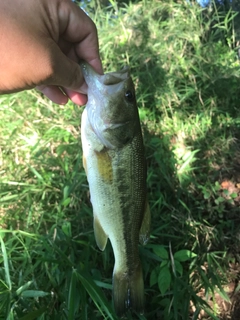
(128, 291)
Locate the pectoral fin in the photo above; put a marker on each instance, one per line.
(144, 233)
(100, 235)
(84, 161)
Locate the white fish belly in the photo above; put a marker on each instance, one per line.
(104, 190)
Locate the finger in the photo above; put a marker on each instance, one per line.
(76, 27)
(76, 97)
(54, 94)
(64, 72)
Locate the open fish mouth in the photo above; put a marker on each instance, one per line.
(116, 77)
(111, 78)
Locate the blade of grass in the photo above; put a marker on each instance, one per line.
(97, 296)
(73, 302)
(5, 263)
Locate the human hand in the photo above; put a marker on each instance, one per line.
(41, 43)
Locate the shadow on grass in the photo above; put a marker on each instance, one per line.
(201, 212)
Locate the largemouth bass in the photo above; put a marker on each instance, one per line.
(114, 161)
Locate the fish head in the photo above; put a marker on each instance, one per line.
(111, 107)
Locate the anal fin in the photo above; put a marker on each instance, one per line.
(100, 235)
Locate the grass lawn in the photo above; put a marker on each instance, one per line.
(185, 67)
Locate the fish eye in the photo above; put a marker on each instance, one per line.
(129, 95)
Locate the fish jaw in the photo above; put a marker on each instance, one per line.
(92, 78)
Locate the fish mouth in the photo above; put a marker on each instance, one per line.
(109, 79)
(113, 126)
(112, 78)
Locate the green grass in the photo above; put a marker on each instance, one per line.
(186, 72)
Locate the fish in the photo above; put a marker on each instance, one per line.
(115, 165)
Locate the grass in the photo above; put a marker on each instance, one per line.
(186, 71)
